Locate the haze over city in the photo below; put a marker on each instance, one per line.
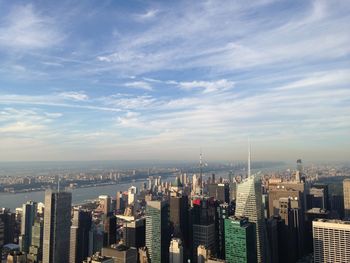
(135, 80)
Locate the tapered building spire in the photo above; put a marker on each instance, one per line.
(249, 158)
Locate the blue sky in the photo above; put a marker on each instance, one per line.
(91, 80)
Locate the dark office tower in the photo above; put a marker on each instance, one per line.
(233, 191)
(134, 233)
(220, 192)
(223, 211)
(272, 236)
(27, 221)
(223, 193)
(2, 235)
(179, 217)
(317, 197)
(36, 248)
(286, 214)
(9, 220)
(110, 230)
(157, 231)
(57, 221)
(79, 235)
(213, 178)
(120, 253)
(240, 240)
(337, 206)
(276, 194)
(346, 193)
(202, 221)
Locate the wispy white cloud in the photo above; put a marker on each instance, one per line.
(150, 14)
(139, 85)
(208, 86)
(73, 95)
(24, 28)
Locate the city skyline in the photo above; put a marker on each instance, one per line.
(134, 80)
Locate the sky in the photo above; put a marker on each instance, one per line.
(163, 80)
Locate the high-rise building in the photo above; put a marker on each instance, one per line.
(36, 249)
(223, 211)
(249, 204)
(105, 203)
(220, 192)
(179, 217)
(2, 235)
(240, 240)
(119, 203)
(57, 221)
(176, 253)
(202, 226)
(272, 236)
(331, 241)
(157, 231)
(121, 253)
(134, 233)
(346, 192)
(16, 257)
(132, 195)
(110, 230)
(98, 258)
(27, 221)
(337, 206)
(317, 197)
(9, 220)
(79, 235)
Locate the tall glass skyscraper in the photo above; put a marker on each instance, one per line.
(28, 217)
(239, 240)
(57, 221)
(157, 231)
(249, 204)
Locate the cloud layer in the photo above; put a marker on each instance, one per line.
(161, 80)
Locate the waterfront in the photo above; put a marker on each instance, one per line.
(79, 195)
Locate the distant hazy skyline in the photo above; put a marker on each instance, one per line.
(158, 80)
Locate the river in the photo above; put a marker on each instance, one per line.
(79, 195)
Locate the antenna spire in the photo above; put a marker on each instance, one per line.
(58, 184)
(249, 158)
(200, 165)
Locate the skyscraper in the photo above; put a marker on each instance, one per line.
(176, 253)
(36, 249)
(57, 221)
(132, 195)
(2, 235)
(79, 235)
(179, 216)
(223, 211)
(331, 239)
(9, 220)
(28, 217)
(157, 231)
(105, 203)
(134, 233)
(202, 220)
(249, 204)
(346, 192)
(240, 240)
(121, 253)
(110, 230)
